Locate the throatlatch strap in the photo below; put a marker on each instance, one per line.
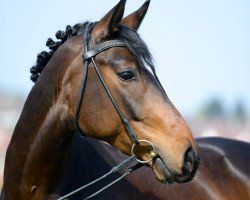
(79, 101)
(84, 79)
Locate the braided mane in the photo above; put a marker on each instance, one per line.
(44, 57)
(129, 36)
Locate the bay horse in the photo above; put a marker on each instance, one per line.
(98, 80)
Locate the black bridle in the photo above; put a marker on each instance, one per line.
(88, 57)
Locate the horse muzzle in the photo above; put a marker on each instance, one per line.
(166, 175)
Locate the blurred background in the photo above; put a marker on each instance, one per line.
(201, 51)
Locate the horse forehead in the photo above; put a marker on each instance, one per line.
(118, 54)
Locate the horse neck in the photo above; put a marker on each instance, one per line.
(41, 137)
(88, 160)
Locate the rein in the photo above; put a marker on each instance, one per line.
(112, 171)
(88, 57)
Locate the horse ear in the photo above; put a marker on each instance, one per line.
(108, 24)
(134, 19)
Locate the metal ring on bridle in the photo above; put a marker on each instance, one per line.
(142, 141)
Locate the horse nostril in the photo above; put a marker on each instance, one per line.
(188, 162)
(189, 167)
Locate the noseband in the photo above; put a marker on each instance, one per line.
(88, 57)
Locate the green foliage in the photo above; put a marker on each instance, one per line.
(213, 109)
(240, 112)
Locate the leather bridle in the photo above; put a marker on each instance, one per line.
(88, 57)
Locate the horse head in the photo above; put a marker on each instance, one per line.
(129, 75)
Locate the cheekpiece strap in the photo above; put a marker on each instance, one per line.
(102, 47)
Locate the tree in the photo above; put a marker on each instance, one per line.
(213, 109)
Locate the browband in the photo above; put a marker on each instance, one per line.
(102, 47)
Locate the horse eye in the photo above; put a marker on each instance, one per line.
(126, 75)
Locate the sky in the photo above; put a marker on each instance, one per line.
(201, 48)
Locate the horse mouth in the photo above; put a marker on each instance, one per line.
(164, 175)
